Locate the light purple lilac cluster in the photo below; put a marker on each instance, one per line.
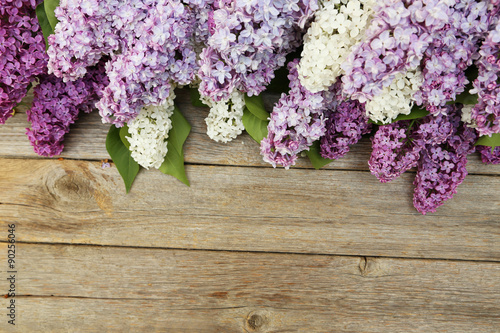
(489, 155)
(346, 122)
(22, 52)
(486, 113)
(437, 145)
(248, 41)
(56, 105)
(296, 122)
(150, 44)
(395, 42)
(450, 53)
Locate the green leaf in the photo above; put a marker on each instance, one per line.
(255, 105)
(174, 160)
(43, 20)
(490, 141)
(315, 157)
(50, 6)
(196, 98)
(466, 98)
(416, 113)
(127, 167)
(123, 133)
(256, 127)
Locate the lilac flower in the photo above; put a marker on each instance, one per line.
(451, 51)
(395, 42)
(442, 166)
(296, 122)
(486, 113)
(150, 44)
(247, 42)
(437, 145)
(346, 122)
(393, 151)
(22, 52)
(56, 106)
(402, 34)
(489, 155)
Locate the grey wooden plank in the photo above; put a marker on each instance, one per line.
(88, 136)
(103, 289)
(247, 209)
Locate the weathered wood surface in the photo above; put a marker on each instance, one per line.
(87, 141)
(107, 289)
(248, 209)
(307, 251)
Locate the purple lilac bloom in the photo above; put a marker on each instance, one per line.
(452, 50)
(56, 105)
(346, 122)
(397, 146)
(22, 52)
(296, 122)
(486, 113)
(442, 167)
(248, 41)
(395, 42)
(150, 44)
(393, 151)
(489, 155)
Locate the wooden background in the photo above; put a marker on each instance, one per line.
(247, 248)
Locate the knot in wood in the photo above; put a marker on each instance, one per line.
(256, 321)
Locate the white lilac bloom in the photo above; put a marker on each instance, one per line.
(467, 116)
(224, 122)
(395, 99)
(149, 133)
(338, 26)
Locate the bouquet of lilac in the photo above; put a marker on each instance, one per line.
(419, 76)
(425, 72)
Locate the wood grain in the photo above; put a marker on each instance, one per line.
(105, 289)
(88, 136)
(247, 209)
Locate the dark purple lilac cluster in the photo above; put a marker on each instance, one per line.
(56, 106)
(442, 167)
(437, 145)
(248, 41)
(393, 151)
(489, 155)
(346, 122)
(296, 122)
(22, 52)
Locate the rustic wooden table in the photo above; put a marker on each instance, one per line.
(245, 249)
